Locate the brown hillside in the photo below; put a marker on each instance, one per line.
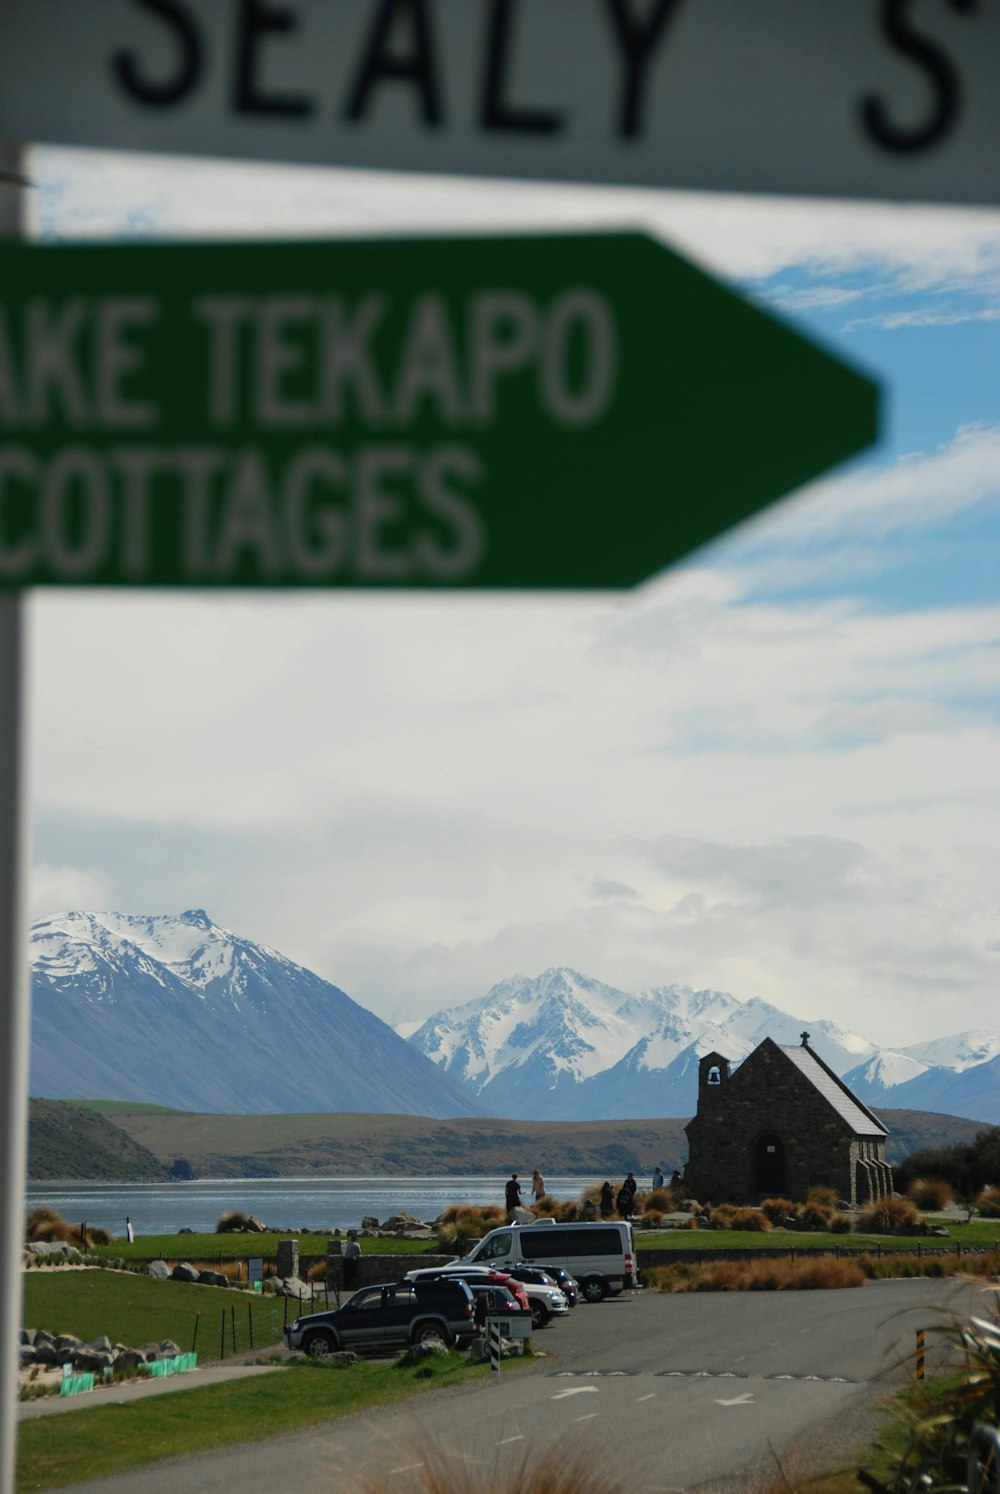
(329, 1144)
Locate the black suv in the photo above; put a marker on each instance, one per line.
(403, 1312)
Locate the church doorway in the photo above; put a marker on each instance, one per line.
(769, 1169)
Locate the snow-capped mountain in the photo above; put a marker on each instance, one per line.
(566, 1047)
(178, 1011)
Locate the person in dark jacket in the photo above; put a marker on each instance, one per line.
(607, 1201)
(512, 1195)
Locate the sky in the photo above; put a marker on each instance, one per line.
(772, 770)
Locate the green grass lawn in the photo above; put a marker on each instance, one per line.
(228, 1247)
(105, 1440)
(980, 1234)
(138, 1310)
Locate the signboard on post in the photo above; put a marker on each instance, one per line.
(551, 411)
(855, 98)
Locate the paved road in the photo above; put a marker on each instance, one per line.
(693, 1390)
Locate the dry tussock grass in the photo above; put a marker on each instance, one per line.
(779, 1275)
(988, 1203)
(44, 1224)
(930, 1193)
(889, 1213)
(825, 1197)
(731, 1216)
(558, 1470)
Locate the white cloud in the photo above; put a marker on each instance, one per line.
(92, 194)
(54, 889)
(419, 796)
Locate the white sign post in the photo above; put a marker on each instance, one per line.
(853, 98)
(13, 947)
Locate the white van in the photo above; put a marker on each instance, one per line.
(600, 1255)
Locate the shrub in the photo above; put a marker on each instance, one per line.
(820, 1194)
(662, 1199)
(988, 1203)
(461, 1224)
(727, 1216)
(968, 1167)
(231, 1223)
(890, 1215)
(652, 1219)
(930, 1193)
(938, 1422)
(780, 1208)
(815, 1215)
(840, 1224)
(570, 1212)
(44, 1223)
(559, 1470)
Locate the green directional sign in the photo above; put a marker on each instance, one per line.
(544, 411)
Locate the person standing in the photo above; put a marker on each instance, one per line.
(537, 1185)
(512, 1195)
(607, 1200)
(657, 1176)
(352, 1254)
(129, 1231)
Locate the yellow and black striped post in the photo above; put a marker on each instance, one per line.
(920, 1353)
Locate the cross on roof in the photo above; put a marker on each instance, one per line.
(805, 1039)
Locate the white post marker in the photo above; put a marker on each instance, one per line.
(13, 950)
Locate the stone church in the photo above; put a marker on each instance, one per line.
(781, 1124)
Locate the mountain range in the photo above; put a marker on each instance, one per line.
(178, 1011)
(563, 1046)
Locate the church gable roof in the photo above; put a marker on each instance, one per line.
(860, 1119)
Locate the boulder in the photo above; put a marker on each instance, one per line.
(68, 1343)
(369, 1222)
(159, 1269)
(184, 1271)
(101, 1345)
(91, 1361)
(168, 1349)
(418, 1353)
(187, 1230)
(212, 1278)
(41, 1336)
(254, 1225)
(127, 1361)
(403, 1221)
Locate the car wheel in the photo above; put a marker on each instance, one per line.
(594, 1289)
(429, 1333)
(539, 1315)
(320, 1345)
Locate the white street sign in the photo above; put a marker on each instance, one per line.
(859, 98)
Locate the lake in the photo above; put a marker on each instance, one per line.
(287, 1203)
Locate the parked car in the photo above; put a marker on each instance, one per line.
(379, 1316)
(566, 1284)
(474, 1275)
(546, 1296)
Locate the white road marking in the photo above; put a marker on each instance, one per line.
(503, 1442)
(589, 1416)
(408, 1469)
(650, 1397)
(740, 1400)
(575, 1390)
